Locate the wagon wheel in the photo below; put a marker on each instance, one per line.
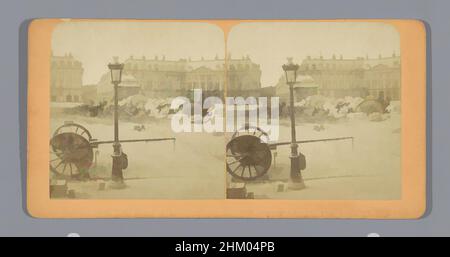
(248, 157)
(252, 130)
(75, 128)
(71, 154)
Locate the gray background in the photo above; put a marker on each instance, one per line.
(15, 16)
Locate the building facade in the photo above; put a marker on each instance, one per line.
(129, 86)
(66, 79)
(338, 77)
(161, 77)
(305, 87)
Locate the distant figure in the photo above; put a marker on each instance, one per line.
(283, 109)
(381, 99)
(139, 127)
(388, 102)
(319, 127)
(94, 110)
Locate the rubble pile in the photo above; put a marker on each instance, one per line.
(394, 107)
(133, 107)
(313, 108)
(321, 108)
(139, 106)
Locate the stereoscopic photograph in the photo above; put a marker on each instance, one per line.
(185, 110)
(112, 91)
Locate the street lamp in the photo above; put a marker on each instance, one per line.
(117, 165)
(297, 161)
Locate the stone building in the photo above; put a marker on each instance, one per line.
(363, 77)
(65, 79)
(128, 87)
(305, 87)
(89, 93)
(161, 77)
(383, 76)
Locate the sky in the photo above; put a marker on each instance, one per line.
(267, 43)
(95, 43)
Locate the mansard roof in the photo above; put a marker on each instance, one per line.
(352, 63)
(164, 64)
(65, 61)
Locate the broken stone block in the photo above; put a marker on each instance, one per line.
(101, 185)
(71, 194)
(236, 191)
(58, 188)
(280, 187)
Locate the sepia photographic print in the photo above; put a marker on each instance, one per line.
(226, 118)
(157, 62)
(340, 84)
(182, 110)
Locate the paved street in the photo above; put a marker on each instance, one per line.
(195, 168)
(335, 170)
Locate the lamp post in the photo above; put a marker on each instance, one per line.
(297, 161)
(117, 175)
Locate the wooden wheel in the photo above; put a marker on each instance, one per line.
(248, 157)
(252, 130)
(73, 128)
(71, 154)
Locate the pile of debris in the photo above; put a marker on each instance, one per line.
(133, 107)
(321, 108)
(142, 107)
(318, 107)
